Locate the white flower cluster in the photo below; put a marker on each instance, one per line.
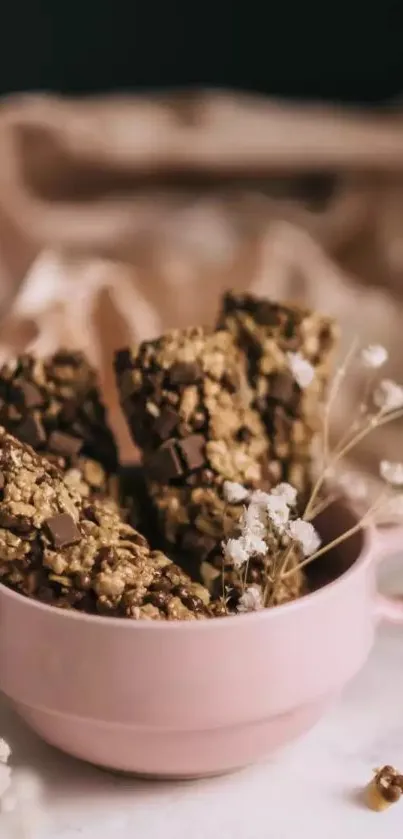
(251, 600)
(388, 396)
(304, 532)
(263, 512)
(374, 356)
(392, 473)
(301, 369)
(21, 809)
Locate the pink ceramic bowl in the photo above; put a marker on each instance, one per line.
(193, 699)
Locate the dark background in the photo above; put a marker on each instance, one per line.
(342, 51)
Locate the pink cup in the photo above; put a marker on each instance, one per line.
(193, 699)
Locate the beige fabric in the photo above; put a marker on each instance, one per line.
(122, 217)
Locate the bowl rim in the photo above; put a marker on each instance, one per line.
(365, 556)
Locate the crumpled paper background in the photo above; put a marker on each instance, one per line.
(121, 217)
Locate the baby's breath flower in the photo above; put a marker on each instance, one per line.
(251, 600)
(234, 493)
(278, 510)
(388, 395)
(301, 369)
(353, 486)
(5, 751)
(286, 491)
(260, 498)
(235, 551)
(304, 532)
(254, 545)
(392, 473)
(374, 356)
(252, 520)
(22, 805)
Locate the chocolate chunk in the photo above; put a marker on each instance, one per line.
(15, 522)
(13, 414)
(197, 543)
(64, 444)
(192, 451)
(27, 394)
(267, 314)
(165, 464)
(282, 387)
(31, 431)
(244, 434)
(161, 585)
(67, 357)
(2, 480)
(123, 360)
(69, 411)
(157, 598)
(165, 423)
(182, 373)
(127, 385)
(62, 530)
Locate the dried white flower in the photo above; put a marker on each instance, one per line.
(388, 395)
(304, 533)
(278, 510)
(374, 356)
(353, 486)
(5, 751)
(301, 369)
(251, 600)
(236, 552)
(234, 493)
(286, 491)
(253, 519)
(22, 805)
(391, 472)
(254, 545)
(259, 498)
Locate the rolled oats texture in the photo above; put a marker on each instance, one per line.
(70, 553)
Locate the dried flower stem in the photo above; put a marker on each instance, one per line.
(343, 536)
(334, 389)
(322, 505)
(374, 422)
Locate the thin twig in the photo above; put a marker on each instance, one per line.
(343, 536)
(334, 388)
(323, 505)
(375, 422)
(326, 548)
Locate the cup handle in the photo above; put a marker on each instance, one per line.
(389, 541)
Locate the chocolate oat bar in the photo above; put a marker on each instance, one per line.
(188, 405)
(58, 548)
(54, 405)
(270, 334)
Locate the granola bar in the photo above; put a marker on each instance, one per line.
(62, 550)
(188, 405)
(267, 332)
(54, 405)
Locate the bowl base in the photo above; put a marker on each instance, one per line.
(165, 754)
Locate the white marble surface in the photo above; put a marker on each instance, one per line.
(312, 789)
